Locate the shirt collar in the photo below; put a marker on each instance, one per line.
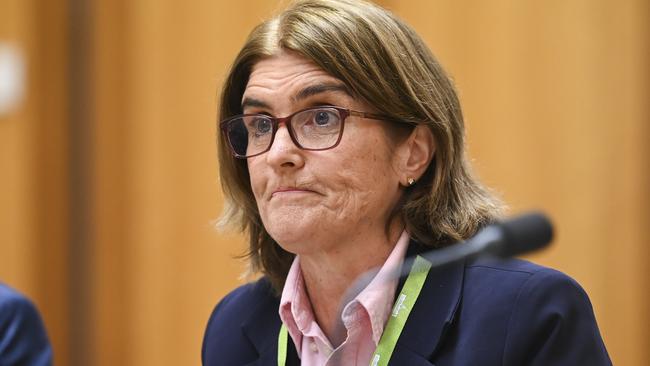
(376, 298)
(295, 307)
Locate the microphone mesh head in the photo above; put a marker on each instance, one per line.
(526, 233)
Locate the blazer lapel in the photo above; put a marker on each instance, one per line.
(262, 329)
(432, 313)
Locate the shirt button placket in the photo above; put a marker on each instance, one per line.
(313, 346)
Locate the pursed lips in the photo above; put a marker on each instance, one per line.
(290, 190)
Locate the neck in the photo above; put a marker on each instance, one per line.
(328, 276)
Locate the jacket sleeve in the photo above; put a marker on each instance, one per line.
(553, 323)
(23, 340)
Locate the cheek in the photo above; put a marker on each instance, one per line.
(256, 174)
(364, 184)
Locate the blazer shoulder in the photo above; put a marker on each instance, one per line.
(514, 312)
(506, 279)
(526, 286)
(526, 280)
(510, 265)
(243, 297)
(14, 307)
(238, 305)
(547, 312)
(226, 339)
(23, 339)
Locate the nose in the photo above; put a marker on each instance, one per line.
(284, 153)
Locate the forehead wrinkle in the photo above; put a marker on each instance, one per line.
(288, 78)
(320, 88)
(266, 81)
(304, 93)
(268, 71)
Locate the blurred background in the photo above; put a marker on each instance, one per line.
(108, 173)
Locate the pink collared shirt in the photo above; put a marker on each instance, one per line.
(364, 317)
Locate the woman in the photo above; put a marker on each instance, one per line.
(341, 150)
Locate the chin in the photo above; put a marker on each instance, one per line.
(285, 221)
(292, 235)
(298, 230)
(290, 240)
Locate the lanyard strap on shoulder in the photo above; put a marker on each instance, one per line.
(401, 311)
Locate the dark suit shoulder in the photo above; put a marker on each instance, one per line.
(521, 283)
(244, 296)
(497, 283)
(23, 339)
(10, 300)
(512, 265)
(526, 314)
(553, 323)
(226, 340)
(515, 279)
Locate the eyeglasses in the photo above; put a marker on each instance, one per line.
(318, 128)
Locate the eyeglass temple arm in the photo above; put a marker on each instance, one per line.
(378, 117)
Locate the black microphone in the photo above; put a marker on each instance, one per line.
(519, 235)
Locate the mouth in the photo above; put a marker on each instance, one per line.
(290, 191)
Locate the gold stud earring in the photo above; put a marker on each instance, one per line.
(410, 181)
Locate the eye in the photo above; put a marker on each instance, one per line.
(262, 125)
(324, 117)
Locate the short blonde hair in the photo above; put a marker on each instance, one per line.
(386, 64)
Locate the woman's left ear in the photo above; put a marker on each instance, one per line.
(416, 154)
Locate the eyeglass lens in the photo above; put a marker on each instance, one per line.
(315, 129)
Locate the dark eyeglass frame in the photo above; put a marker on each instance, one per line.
(276, 121)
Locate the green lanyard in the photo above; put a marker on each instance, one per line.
(396, 321)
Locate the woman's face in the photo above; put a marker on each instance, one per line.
(312, 201)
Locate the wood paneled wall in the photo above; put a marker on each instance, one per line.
(160, 264)
(34, 166)
(555, 97)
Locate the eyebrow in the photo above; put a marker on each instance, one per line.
(252, 102)
(302, 94)
(321, 88)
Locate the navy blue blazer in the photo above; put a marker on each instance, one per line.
(485, 312)
(22, 336)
